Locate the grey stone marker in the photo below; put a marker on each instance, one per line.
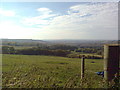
(111, 61)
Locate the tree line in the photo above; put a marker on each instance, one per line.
(34, 51)
(97, 50)
(55, 50)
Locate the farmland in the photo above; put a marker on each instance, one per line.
(49, 64)
(38, 71)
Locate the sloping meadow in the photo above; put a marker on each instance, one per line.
(33, 71)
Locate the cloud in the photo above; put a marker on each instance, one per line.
(10, 29)
(35, 21)
(44, 18)
(93, 21)
(7, 13)
(82, 21)
(92, 8)
(44, 10)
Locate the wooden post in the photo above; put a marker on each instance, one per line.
(111, 61)
(82, 67)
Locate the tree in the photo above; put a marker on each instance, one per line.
(8, 50)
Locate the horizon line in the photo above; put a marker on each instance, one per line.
(56, 39)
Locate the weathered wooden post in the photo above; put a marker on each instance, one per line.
(111, 61)
(82, 67)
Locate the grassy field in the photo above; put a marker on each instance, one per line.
(32, 71)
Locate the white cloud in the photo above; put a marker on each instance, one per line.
(35, 21)
(10, 29)
(44, 10)
(7, 12)
(38, 20)
(93, 8)
(93, 21)
(83, 21)
(43, 19)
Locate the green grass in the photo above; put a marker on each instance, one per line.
(33, 71)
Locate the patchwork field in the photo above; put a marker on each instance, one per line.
(34, 71)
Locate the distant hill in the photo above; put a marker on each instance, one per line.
(83, 42)
(23, 40)
(78, 43)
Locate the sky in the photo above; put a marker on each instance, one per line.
(59, 20)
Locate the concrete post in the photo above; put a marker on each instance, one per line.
(111, 61)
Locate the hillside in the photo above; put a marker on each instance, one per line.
(78, 43)
(31, 71)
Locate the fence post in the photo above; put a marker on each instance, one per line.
(82, 67)
(111, 61)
